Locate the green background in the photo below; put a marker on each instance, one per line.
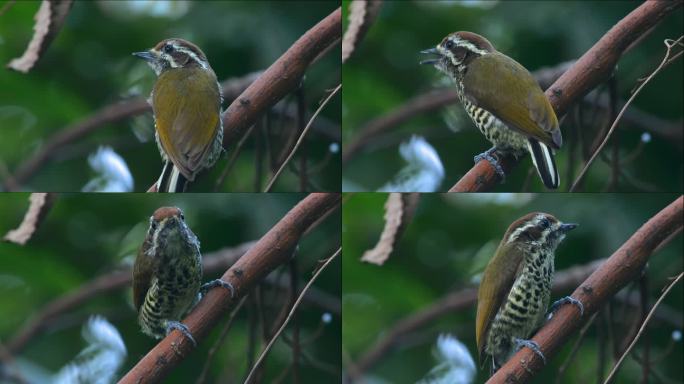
(383, 73)
(89, 65)
(85, 236)
(448, 243)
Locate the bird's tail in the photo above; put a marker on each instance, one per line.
(543, 160)
(171, 179)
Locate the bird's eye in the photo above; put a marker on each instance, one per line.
(449, 44)
(168, 48)
(153, 225)
(182, 217)
(544, 223)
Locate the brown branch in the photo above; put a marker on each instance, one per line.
(454, 303)
(420, 104)
(272, 250)
(281, 78)
(250, 96)
(109, 114)
(372, 131)
(212, 263)
(427, 102)
(595, 66)
(620, 269)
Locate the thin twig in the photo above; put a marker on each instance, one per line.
(575, 348)
(224, 332)
(669, 44)
(233, 158)
(643, 327)
(294, 308)
(296, 347)
(301, 137)
(6, 7)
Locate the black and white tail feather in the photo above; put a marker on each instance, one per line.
(171, 179)
(543, 160)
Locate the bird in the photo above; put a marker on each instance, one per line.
(186, 103)
(167, 275)
(503, 100)
(515, 289)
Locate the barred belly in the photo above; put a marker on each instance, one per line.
(495, 130)
(523, 311)
(170, 296)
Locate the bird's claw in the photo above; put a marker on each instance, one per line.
(566, 300)
(217, 283)
(520, 343)
(182, 328)
(488, 155)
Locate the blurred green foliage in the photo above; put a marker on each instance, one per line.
(88, 235)
(89, 66)
(383, 74)
(447, 245)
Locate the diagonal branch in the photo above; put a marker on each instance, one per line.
(109, 114)
(250, 96)
(272, 250)
(595, 66)
(455, 302)
(282, 77)
(212, 263)
(620, 269)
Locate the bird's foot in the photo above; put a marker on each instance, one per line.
(217, 283)
(488, 155)
(520, 343)
(566, 300)
(182, 328)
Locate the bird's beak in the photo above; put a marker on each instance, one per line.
(566, 227)
(431, 51)
(146, 55)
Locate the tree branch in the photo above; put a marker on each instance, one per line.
(455, 302)
(109, 114)
(591, 69)
(620, 269)
(250, 96)
(272, 250)
(281, 78)
(212, 262)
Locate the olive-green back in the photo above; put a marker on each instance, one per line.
(187, 103)
(142, 274)
(511, 93)
(496, 283)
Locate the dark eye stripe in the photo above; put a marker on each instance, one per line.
(532, 233)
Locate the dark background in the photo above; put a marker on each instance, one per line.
(448, 244)
(383, 74)
(88, 235)
(89, 66)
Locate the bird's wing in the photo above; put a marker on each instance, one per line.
(187, 110)
(521, 105)
(142, 275)
(496, 283)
